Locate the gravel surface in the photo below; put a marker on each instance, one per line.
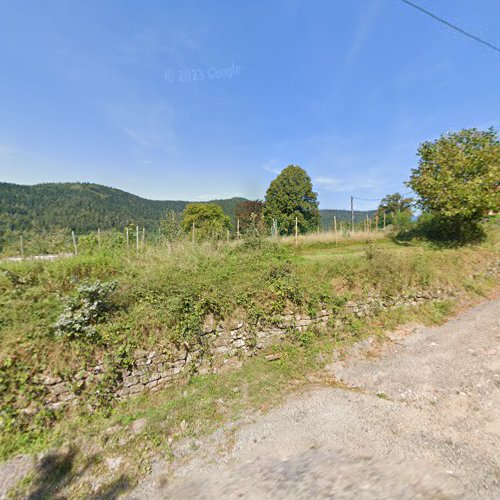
(421, 420)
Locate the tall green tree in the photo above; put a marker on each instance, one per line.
(457, 179)
(209, 220)
(291, 195)
(393, 204)
(458, 174)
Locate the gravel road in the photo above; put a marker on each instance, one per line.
(420, 419)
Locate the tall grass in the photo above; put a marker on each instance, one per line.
(330, 237)
(164, 293)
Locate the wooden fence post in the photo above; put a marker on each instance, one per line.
(192, 234)
(296, 231)
(127, 237)
(99, 238)
(22, 246)
(335, 230)
(137, 240)
(74, 242)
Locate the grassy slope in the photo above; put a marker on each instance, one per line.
(237, 280)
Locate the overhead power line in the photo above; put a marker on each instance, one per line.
(452, 26)
(377, 199)
(366, 199)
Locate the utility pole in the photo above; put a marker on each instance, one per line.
(352, 214)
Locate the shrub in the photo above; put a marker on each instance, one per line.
(84, 311)
(446, 231)
(285, 286)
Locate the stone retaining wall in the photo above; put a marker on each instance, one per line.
(220, 347)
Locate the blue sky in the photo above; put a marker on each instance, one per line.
(96, 91)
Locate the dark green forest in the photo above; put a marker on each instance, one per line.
(343, 216)
(86, 207)
(83, 207)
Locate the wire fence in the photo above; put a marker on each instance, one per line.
(61, 243)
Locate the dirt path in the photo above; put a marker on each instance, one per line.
(422, 421)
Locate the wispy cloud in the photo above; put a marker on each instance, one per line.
(363, 30)
(174, 45)
(148, 126)
(337, 185)
(272, 166)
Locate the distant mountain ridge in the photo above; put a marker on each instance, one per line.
(86, 207)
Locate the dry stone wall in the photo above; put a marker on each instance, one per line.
(220, 347)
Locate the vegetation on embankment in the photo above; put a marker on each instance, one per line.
(98, 307)
(162, 296)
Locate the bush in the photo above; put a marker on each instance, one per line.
(402, 222)
(447, 231)
(84, 311)
(285, 286)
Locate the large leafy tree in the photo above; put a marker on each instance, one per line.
(291, 196)
(393, 204)
(249, 213)
(458, 175)
(209, 220)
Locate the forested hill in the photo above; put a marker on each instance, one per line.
(343, 216)
(86, 207)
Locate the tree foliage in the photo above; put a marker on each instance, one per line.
(393, 204)
(83, 207)
(209, 220)
(458, 174)
(249, 213)
(291, 196)
(171, 227)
